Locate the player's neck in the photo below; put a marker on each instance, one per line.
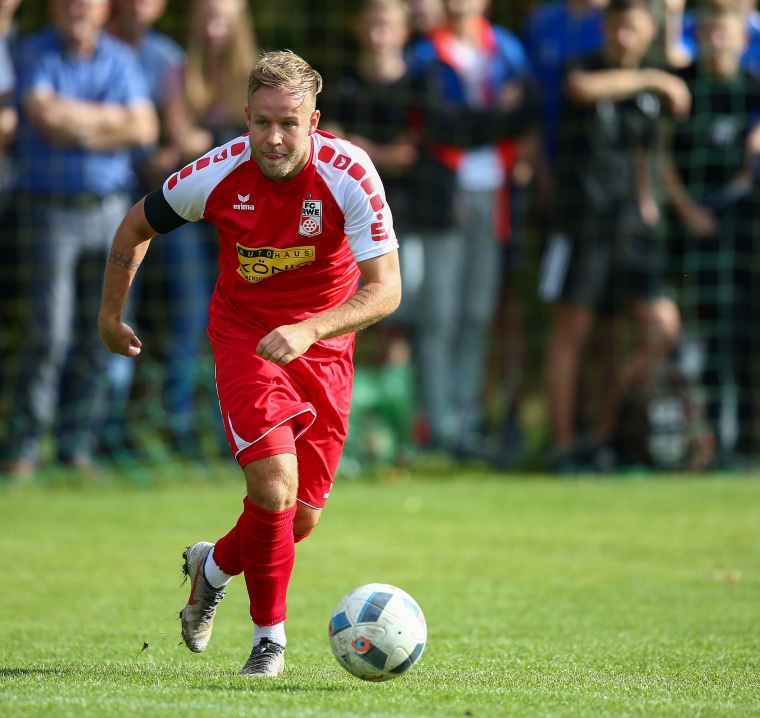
(582, 7)
(382, 69)
(623, 61)
(466, 28)
(129, 31)
(724, 68)
(81, 46)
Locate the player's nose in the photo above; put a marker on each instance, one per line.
(275, 138)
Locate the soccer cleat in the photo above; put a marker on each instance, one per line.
(198, 615)
(267, 660)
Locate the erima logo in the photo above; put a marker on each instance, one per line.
(244, 199)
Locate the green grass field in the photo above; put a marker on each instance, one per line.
(598, 597)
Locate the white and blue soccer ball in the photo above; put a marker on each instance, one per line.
(377, 632)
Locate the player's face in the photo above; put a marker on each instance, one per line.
(280, 124)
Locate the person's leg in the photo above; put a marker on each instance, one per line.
(574, 275)
(570, 327)
(183, 253)
(49, 254)
(261, 546)
(275, 520)
(743, 241)
(438, 330)
(83, 399)
(262, 543)
(480, 276)
(659, 323)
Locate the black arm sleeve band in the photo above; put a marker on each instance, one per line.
(160, 214)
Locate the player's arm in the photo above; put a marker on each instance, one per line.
(127, 252)
(699, 220)
(454, 124)
(379, 296)
(96, 126)
(587, 87)
(152, 215)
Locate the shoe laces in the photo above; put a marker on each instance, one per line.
(211, 598)
(261, 654)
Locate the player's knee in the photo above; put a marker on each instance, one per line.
(668, 325)
(305, 521)
(272, 482)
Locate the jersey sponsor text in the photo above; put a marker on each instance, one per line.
(262, 262)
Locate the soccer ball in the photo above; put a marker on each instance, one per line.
(377, 632)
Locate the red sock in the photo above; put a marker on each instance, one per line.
(268, 553)
(227, 551)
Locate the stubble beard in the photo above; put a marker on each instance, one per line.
(277, 169)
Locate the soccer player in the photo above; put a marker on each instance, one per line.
(302, 218)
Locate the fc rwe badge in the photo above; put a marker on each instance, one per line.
(311, 218)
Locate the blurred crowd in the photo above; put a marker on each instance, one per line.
(575, 201)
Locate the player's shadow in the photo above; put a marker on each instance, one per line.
(216, 681)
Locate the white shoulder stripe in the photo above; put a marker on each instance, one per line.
(188, 190)
(352, 179)
(336, 158)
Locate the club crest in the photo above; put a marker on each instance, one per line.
(311, 218)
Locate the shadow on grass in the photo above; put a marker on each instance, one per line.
(214, 680)
(279, 685)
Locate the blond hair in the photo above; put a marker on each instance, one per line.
(218, 81)
(284, 70)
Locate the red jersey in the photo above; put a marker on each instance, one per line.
(288, 250)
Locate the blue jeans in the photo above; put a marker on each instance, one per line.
(63, 363)
(458, 298)
(174, 289)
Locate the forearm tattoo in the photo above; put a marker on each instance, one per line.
(359, 299)
(120, 260)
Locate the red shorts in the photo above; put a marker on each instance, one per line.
(301, 408)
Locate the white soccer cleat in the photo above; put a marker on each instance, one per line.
(267, 660)
(198, 615)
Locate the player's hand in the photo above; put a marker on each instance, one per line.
(674, 92)
(510, 97)
(119, 337)
(701, 222)
(286, 343)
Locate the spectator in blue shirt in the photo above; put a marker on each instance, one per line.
(555, 33)
(9, 324)
(83, 106)
(180, 271)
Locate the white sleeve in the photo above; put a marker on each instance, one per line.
(186, 193)
(368, 218)
(188, 190)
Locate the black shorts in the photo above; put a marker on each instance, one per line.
(603, 272)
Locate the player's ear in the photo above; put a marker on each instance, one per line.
(314, 121)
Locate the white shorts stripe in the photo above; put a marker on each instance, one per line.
(554, 267)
